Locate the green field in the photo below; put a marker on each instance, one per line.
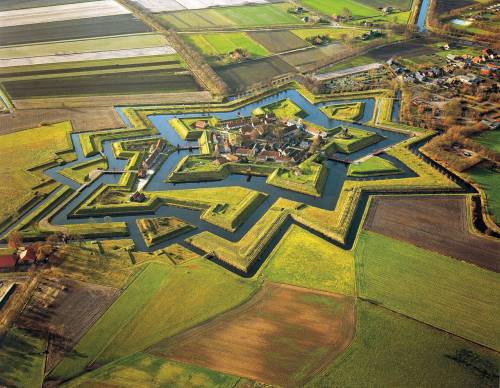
(489, 181)
(390, 350)
(305, 260)
(240, 16)
(214, 45)
(21, 359)
(446, 293)
(187, 295)
(140, 369)
(130, 302)
(489, 139)
(373, 167)
(329, 7)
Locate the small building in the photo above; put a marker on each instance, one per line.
(200, 124)
(245, 152)
(231, 158)
(137, 197)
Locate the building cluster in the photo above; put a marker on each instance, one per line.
(477, 70)
(23, 256)
(263, 138)
(151, 158)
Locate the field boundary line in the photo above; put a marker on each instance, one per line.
(381, 305)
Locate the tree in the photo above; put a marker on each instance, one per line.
(346, 13)
(15, 240)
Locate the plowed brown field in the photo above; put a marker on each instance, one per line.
(282, 336)
(437, 223)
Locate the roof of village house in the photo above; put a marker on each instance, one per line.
(242, 151)
(7, 261)
(270, 154)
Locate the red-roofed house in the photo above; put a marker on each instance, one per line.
(7, 262)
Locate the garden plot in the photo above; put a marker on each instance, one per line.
(89, 56)
(177, 5)
(61, 12)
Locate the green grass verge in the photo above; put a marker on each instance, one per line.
(489, 181)
(140, 369)
(443, 292)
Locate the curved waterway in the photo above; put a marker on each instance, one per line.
(337, 174)
(422, 15)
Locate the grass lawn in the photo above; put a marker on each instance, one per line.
(140, 369)
(306, 260)
(372, 167)
(390, 350)
(21, 359)
(344, 112)
(213, 45)
(356, 140)
(329, 7)
(284, 109)
(130, 303)
(29, 148)
(489, 139)
(187, 295)
(446, 293)
(490, 182)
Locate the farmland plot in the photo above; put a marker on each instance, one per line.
(278, 41)
(98, 55)
(241, 16)
(72, 29)
(281, 336)
(155, 81)
(58, 13)
(436, 223)
(176, 5)
(8, 5)
(454, 296)
(77, 46)
(243, 75)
